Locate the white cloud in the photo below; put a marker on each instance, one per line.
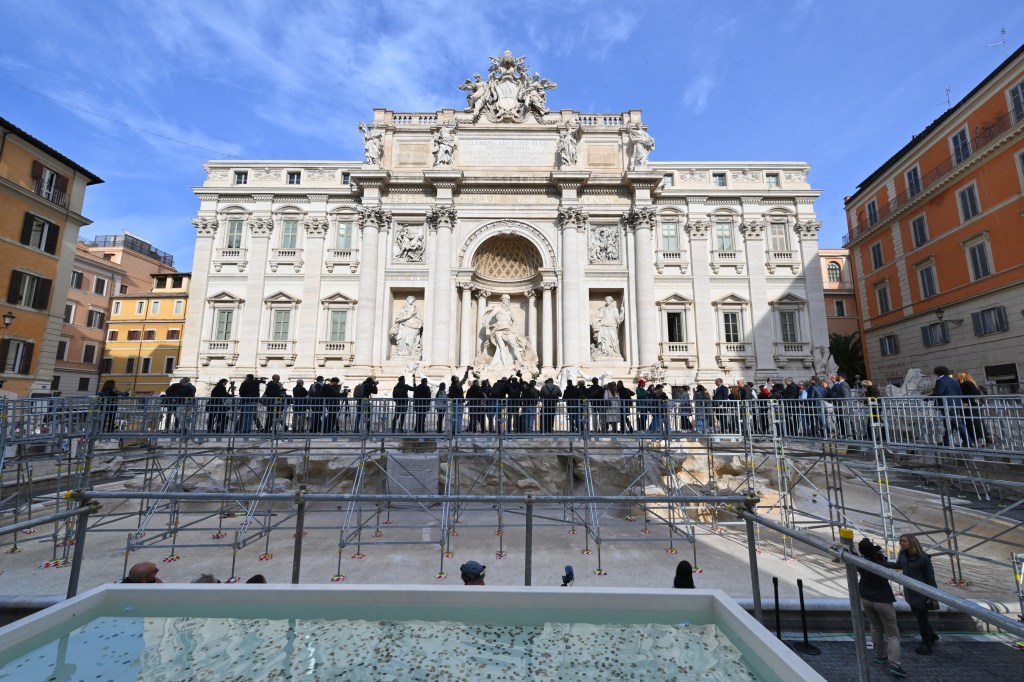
(698, 92)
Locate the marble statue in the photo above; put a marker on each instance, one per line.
(605, 328)
(604, 244)
(643, 145)
(511, 352)
(445, 143)
(508, 94)
(407, 330)
(409, 244)
(533, 94)
(373, 144)
(477, 95)
(568, 140)
(915, 382)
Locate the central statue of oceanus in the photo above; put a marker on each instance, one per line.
(509, 95)
(505, 352)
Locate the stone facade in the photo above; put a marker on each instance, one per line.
(509, 226)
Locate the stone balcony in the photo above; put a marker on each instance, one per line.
(334, 350)
(287, 257)
(785, 259)
(732, 259)
(225, 256)
(787, 352)
(679, 351)
(734, 352)
(348, 258)
(672, 259)
(219, 350)
(276, 350)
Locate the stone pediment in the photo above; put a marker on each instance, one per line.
(225, 297)
(338, 299)
(731, 299)
(675, 299)
(789, 299)
(282, 297)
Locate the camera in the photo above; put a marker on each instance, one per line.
(569, 577)
(261, 380)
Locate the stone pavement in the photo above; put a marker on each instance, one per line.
(955, 658)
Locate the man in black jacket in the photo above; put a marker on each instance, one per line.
(476, 398)
(572, 396)
(456, 395)
(421, 404)
(248, 394)
(300, 406)
(273, 394)
(549, 395)
(400, 394)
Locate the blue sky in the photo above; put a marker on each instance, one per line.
(142, 93)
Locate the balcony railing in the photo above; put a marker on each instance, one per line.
(787, 351)
(984, 136)
(51, 194)
(346, 257)
(679, 351)
(334, 350)
(292, 257)
(742, 352)
(277, 350)
(219, 350)
(674, 258)
(729, 258)
(239, 257)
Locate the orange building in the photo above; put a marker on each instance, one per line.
(840, 293)
(41, 197)
(935, 239)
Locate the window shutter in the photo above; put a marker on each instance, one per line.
(1001, 321)
(895, 344)
(976, 321)
(52, 234)
(62, 183)
(5, 347)
(42, 301)
(37, 169)
(926, 337)
(26, 228)
(26, 358)
(14, 292)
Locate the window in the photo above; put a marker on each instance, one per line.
(116, 309)
(919, 228)
(934, 334)
(169, 364)
(882, 296)
(723, 236)
(106, 365)
(234, 234)
(29, 290)
(346, 178)
(926, 276)
(241, 177)
(134, 334)
(1017, 102)
(731, 327)
(123, 289)
(129, 366)
(294, 177)
(877, 259)
(980, 259)
(76, 279)
(173, 334)
(178, 307)
(339, 324)
(140, 307)
(675, 328)
(69, 313)
(149, 335)
(718, 179)
(89, 353)
(177, 281)
(890, 345)
(99, 286)
(872, 212)
(990, 321)
(16, 356)
(961, 146)
(279, 325)
(289, 234)
(666, 180)
(40, 234)
(95, 319)
(840, 308)
(154, 308)
(55, 383)
(967, 198)
(146, 364)
(344, 236)
(777, 233)
(835, 272)
(913, 182)
(62, 349)
(112, 335)
(772, 179)
(787, 326)
(222, 325)
(83, 384)
(669, 237)
(161, 283)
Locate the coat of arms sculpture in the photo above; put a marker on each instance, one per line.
(508, 95)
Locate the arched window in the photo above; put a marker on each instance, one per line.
(835, 273)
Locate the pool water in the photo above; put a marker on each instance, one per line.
(191, 648)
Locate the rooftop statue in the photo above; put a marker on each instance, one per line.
(373, 144)
(643, 145)
(508, 95)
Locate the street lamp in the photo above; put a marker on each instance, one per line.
(8, 318)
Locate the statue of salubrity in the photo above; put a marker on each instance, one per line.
(605, 328)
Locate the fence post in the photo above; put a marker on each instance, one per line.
(300, 522)
(856, 614)
(80, 530)
(528, 580)
(755, 583)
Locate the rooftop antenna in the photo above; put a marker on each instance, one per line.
(1002, 40)
(949, 103)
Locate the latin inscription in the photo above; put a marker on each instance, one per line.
(507, 152)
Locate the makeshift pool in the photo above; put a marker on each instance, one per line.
(368, 632)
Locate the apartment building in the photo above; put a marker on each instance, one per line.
(41, 197)
(934, 237)
(841, 311)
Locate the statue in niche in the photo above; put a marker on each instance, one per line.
(511, 352)
(407, 330)
(605, 328)
(409, 244)
(568, 140)
(445, 143)
(604, 244)
(373, 144)
(643, 145)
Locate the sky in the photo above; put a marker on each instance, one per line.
(143, 93)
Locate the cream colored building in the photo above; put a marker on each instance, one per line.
(305, 268)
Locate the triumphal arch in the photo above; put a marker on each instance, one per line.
(507, 236)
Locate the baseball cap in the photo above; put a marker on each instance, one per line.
(641, 382)
(472, 570)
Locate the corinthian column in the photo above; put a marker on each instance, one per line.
(466, 331)
(531, 317)
(370, 221)
(441, 219)
(641, 221)
(206, 230)
(572, 221)
(547, 329)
